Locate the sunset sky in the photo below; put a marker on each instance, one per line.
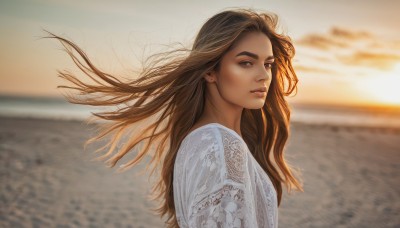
(347, 52)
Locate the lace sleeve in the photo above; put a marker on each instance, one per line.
(219, 176)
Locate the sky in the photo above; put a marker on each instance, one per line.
(347, 52)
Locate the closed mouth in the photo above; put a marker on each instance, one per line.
(263, 89)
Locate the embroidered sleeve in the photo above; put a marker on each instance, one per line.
(218, 174)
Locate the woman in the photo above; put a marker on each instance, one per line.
(217, 116)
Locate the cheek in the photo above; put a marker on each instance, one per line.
(236, 84)
(236, 78)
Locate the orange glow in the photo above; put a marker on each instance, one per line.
(384, 88)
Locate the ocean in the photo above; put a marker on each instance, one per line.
(59, 108)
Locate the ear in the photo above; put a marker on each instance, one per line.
(211, 77)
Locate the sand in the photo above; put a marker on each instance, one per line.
(351, 178)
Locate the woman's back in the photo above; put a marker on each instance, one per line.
(217, 182)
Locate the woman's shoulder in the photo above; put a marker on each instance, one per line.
(215, 146)
(213, 130)
(202, 135)
(214, 136)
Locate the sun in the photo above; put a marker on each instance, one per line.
(385, 88)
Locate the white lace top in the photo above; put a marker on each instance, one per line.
(218, 183)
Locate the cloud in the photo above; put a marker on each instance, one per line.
(382, 61)
(347, 34)
(353, 48)
(336, 37)
(321, 42)
(310, 69)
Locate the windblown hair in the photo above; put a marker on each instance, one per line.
(168, 97)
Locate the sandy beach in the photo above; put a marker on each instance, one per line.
(351, 178)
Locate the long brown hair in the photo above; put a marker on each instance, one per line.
(167, 98)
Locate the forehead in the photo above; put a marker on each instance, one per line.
(255, 42)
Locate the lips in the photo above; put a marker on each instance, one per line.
(261, 89)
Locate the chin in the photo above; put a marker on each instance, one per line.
(255, 105)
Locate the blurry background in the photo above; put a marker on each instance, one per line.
(348, 103)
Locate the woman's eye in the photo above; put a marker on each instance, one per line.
(268, 65)
(246, 63)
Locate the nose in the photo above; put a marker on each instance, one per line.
(264, 74)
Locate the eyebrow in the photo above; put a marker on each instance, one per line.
(254, 56)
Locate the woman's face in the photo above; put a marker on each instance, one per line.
(246, 67)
